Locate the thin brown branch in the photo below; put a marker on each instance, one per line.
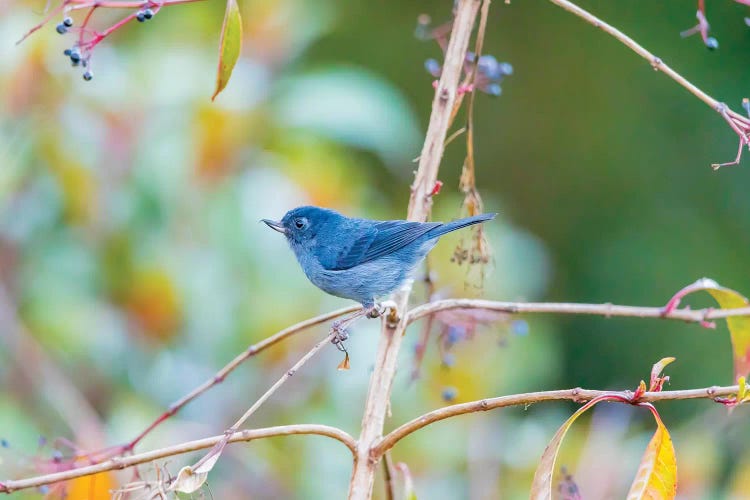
(420, 204)
(607, 310)
(740, 124)
(237, 361)
(578, 395)
(217, 449)
(169, 451)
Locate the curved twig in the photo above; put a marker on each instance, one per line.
(607, 310)
(579, 395)
(740, 124)
(237, 361)
(140, 458)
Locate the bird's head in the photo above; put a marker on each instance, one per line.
(301, 224)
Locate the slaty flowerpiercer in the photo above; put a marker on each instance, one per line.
(360, 259)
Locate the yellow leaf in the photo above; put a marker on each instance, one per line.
(657, 474)
(229, 45)
(739, 326)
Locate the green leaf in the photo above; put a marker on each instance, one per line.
(229, 46)
(657, 474)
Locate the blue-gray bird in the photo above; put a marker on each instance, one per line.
(360, 259)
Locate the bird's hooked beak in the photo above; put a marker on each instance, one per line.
(276, 226)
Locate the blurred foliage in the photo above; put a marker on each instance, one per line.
(130, 243)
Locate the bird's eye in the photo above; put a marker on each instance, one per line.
(300, 222)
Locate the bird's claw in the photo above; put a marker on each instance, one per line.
(376, 311)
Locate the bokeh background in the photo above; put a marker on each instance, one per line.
(132, 264)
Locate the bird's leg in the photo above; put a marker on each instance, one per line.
(371, 311)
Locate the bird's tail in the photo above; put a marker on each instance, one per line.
(460, 223)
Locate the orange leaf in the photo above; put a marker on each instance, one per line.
(657, 474)
(89, 487)
(344, 365)
(229, 46)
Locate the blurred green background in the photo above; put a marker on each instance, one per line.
(132, 264)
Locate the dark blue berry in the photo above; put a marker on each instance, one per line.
(432, 67)
(68, 22)
(141, 17)
(449, 394)
(520, 327)
(493, 89)
(712, 43)
(88, 76)
(68, 52)
(43, 489)
(489, 67)
(148, 13)
(455, 334)
(506, 68)
(57, 456)
(449, 360)
(60, 28)
(4, 443)
(75, 57)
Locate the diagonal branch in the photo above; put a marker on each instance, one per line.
(237, 361)
(577, 395)
(209, 459)
(607, 310)
(740, 124)
(10, 486)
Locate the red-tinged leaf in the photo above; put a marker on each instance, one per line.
(639, 391)
(657, 474)
(657, 382)
(739, 326)
(742, 396)
(408, 493)
(229, 45)
(542, 487)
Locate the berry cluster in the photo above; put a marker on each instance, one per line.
(80, 52)
(490, 72)
(74, 53)
(76, 59)
(62, 28)
(144, 15)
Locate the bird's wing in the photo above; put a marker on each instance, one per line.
(378, 240)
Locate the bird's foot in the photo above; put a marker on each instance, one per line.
(380, 308)
(375, 311)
